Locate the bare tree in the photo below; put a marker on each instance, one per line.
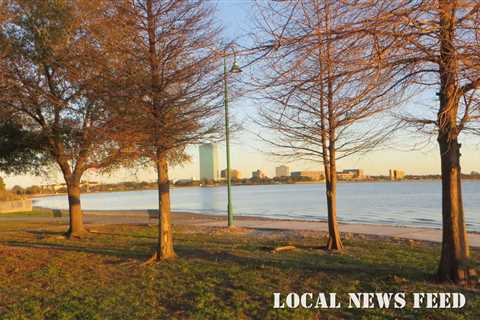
(436, 44)
(58, 76)
(324, 87)
(173, 82)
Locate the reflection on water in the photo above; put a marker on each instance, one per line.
(399, 203)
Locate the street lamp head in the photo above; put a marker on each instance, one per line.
(235, 68)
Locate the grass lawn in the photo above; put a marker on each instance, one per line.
(36, 212)
(218, 275)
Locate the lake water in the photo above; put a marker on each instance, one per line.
(415, 203)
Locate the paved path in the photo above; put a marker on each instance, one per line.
(182, 218)
(425, 234)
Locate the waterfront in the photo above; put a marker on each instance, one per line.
(401, 203)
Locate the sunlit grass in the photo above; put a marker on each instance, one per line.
(33, 213)
(217, 275)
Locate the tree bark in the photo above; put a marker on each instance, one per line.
(76, 216)
(455, 252)
(165, 232)
(334, 240)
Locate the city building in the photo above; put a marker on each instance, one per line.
(234, 174)
(282, 171)
(314, 175)
(258, 174)
(396, 174)
(351, 174)
(344, 176)
(209, 162)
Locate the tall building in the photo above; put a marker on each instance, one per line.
(396, 174)
(282, 171)
(209, 162)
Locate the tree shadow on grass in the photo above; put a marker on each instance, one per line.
(116, 252)
(123, 235)
(343, 265)
(39, 234)
(256, 256)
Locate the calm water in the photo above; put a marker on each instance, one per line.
(401, 203)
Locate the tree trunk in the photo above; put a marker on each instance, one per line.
(76, 216)
(165, 232)
(455, 252)
(334, 241)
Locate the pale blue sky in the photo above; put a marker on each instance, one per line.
(249, 154)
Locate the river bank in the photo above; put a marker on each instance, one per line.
(94, 218)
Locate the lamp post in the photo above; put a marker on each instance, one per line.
(234, 69)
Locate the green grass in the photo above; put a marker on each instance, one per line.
(33, 213)
(217, 275)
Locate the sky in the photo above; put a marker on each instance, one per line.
(249, 153)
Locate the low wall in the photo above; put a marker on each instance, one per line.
(16, 206)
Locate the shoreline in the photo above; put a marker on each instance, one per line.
(321, 182)
(150, 212)
(282, 225)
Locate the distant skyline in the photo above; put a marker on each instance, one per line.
(246, 159)
(249, 153)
